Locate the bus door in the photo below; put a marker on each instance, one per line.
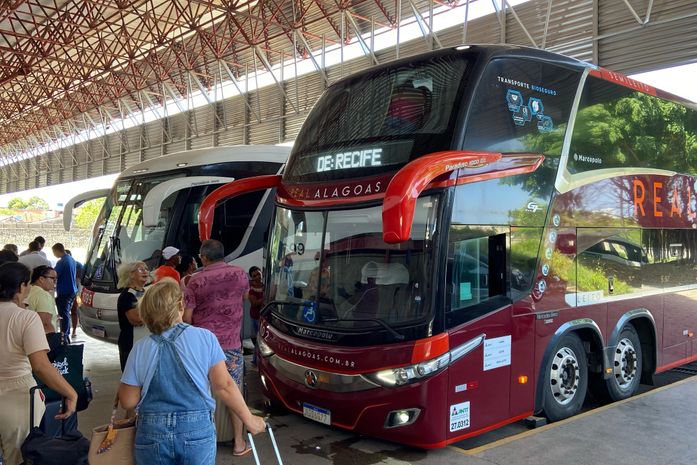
(478, 318)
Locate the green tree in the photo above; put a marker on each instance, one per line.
(87, 213)
(37, 203)
(17, 203)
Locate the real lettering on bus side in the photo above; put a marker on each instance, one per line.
(657, 194)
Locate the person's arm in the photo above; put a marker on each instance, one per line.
(225, 389)
(188, 314)
(189, 304)
(51, 378)
(129, 301)
(47, 321)
(129, 396)
(134, 317)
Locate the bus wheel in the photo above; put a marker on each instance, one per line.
(626, 373)
(566, 379)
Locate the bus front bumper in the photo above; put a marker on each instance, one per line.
(414, 414)
(99, 324)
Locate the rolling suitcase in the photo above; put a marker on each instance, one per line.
(40, 448)
(52, 427)
(273, 442)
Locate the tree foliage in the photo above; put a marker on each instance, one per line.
(86, 214)
(34, 203)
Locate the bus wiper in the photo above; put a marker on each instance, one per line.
(390, 329)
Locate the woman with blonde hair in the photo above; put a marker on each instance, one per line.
(132, 279)
(180, 411)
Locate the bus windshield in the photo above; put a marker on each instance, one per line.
(122, 237)
(378, 121)
(332, 270)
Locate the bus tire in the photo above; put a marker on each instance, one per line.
(626, 365)
(566, 379)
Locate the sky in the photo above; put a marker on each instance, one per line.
(677, 80)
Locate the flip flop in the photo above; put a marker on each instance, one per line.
(243, 452)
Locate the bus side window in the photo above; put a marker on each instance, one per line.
(477, 269)
(232, 219)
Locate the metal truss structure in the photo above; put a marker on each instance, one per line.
(71, 66)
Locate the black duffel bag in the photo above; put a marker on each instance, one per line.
(38, 448)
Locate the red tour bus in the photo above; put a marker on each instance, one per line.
(475, 235)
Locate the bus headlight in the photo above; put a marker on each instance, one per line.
(409, 374)
(264, 348)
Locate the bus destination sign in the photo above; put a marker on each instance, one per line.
(352, 159)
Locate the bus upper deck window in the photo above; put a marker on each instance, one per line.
(409, 108)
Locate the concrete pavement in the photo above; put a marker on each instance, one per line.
(651, 429)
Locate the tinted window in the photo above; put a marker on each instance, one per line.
(402, 112)
(477, 271)
(521, 105)
(618, 127)
(232, 219)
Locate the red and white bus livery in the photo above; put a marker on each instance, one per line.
(465, 238)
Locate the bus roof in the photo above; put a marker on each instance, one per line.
(210, 155)
(489, 51)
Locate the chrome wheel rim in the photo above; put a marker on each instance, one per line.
(625, 363)
(564, 376)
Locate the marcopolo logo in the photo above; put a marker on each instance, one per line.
(586, 159)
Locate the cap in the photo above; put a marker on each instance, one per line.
(169, 252)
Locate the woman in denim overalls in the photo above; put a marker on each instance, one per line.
(169, 376)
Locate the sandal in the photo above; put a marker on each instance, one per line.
(242, 452)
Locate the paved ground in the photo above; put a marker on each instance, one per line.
(653, 428)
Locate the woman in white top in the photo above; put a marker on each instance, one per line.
(23, 349)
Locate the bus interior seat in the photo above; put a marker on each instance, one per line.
(408, 109)
(391, 282)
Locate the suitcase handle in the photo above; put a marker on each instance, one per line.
(273, 441)
(32, 394)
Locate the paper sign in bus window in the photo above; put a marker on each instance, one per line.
(497, 352)
(465, 291)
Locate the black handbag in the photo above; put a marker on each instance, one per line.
(42, 449)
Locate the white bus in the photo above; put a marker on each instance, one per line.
(155, 204)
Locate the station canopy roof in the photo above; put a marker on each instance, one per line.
(65, 58)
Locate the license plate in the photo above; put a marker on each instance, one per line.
(99, 331)
(315, 413)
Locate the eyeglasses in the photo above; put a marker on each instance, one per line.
(142, 270)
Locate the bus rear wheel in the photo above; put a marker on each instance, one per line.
(566, 379)
(626, 369)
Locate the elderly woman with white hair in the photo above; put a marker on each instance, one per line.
(132, 279)
(176, 419)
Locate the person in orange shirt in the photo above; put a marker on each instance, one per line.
(169, 270)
